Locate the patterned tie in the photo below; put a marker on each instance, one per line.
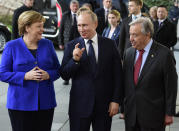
(92, 58)
(138, 66)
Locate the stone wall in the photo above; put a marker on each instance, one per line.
(7, 7)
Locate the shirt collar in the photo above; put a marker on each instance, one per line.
(94, 39)
(72, 13)
(160, 21)
(148, 46)
(138, 15)
(107, 9)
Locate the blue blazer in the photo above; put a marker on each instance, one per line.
(115, 35)
(88, 91)
(29, 95)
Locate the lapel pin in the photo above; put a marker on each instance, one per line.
(152, 56)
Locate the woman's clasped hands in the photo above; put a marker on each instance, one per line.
(37, 74)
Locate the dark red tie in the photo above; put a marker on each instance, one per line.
(137, 66)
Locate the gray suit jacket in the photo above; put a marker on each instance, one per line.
(154, 96)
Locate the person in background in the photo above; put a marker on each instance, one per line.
(68, 27)
(30, 65)
(87, 5)
(164, 29)
(94, 65)
(113, 31)
(153, 13)
(150, 80)
(102, 14)
(134, 8)
(174, 12)
(27, 5)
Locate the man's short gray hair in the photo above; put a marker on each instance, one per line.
(146, 24)
(74, 2)
(84, 10)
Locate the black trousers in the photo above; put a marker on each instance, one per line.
(31, 120)
(138, 127)
(99, 123)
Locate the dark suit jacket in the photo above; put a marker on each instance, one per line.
(67, 31)
(124, 40)
(165, 34)
(115, 35)
(17, 13)
(93, 92)
(154, 96)
(100, 12)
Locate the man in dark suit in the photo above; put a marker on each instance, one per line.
(68, 28)
(134, 8)
(27, 5)
(165, 30)
(150, 84)
(94, 65)
(102, 14)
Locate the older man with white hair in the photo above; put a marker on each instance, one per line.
(150, 80)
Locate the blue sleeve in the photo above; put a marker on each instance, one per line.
(6, 68)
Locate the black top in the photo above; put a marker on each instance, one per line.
(16, 15)
(33, 52)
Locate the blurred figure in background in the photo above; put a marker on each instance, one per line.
(164, 29)
(87, 5)
(68, 28)
(113, 31)
(27, 5)
(102, 14)
(153, 13)
(30, 65)
(174, 12)
(134, 8)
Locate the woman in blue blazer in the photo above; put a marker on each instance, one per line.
(113, 31)
(30, 65)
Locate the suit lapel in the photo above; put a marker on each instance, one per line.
(131, 61)
(150, 59)
(100, 55)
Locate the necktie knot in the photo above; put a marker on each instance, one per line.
(90, 42)
(141, 52)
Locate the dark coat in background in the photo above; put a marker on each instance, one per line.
(100, 12)
(166, 33)
(124, 40)
(17, 12)
(67, 31)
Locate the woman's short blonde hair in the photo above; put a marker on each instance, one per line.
(27, 18)
(116, 13)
